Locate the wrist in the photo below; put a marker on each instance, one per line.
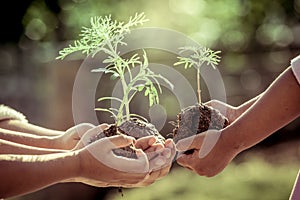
(82, 156)
(231, 143)
(72, 165)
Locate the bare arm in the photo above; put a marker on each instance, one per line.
(232, 112)
(66, 140)
(95, 164)
(24, 173)
(278, 106)
(27, 139)
(243, 107)
(8, 147)
(19, 126)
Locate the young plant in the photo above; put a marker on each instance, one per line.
(198, 56)
(198, 118)
(106, 35)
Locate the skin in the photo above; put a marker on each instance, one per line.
(280, 100)
(80, 164)
(232, 112)
(19, 126)
(41, 137)
(8, 147)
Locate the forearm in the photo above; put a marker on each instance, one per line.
(21, 174)
(17, 125)
(8, 147)
(278, 106)
(245, 106)
(27, 139)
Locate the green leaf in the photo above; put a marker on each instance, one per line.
(147, 91)
(114, 76)
(99, 70)
(199, 55)
(151, 102)
(109, 98)
(105, 35)
(107, 110)
(146, 63)
(140, 87)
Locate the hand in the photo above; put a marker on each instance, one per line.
(228, 111)
(71, 137)
(102, 168)
(160, 158)
(87, 136)
(211, 153)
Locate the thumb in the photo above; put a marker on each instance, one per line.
(117, 141)
(102, 151)
(192, 142)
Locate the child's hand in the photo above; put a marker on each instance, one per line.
(71, 137)
(210, 156)
(230, 112)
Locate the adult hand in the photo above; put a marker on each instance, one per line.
(100, 167)
(210, 156)
(160, 158)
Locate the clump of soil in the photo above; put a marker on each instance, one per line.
(197, 119)
(135, 128)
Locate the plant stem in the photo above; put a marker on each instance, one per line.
(124, 102)
(124, 86)
(199, 85)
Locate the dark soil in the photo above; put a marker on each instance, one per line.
(135, 128)
(197, 119)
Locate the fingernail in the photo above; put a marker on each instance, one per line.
(152, 141)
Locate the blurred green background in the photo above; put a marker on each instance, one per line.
(257, 40)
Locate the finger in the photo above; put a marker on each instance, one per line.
(145, 142)
(184, 160)
(157, 163)
(154, 151)
(154, 175)
(210, 140)
(169, 144)
(193, 142)
(219, 105)
(118, 141)
(164, 171)
(167, 153)
(102, 151)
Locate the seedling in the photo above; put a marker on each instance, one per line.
(199, 56)
(198, 118)
(106, 35)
